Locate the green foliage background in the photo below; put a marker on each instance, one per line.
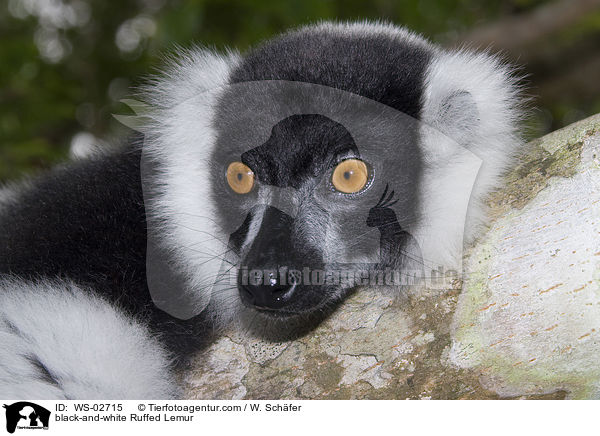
(45, 101)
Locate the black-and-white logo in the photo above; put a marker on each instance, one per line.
(26, 415)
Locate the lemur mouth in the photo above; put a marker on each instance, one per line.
(292, 313)
(274, 307)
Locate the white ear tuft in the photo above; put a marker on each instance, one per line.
(459, 115)
(473, 98)
(471, 102)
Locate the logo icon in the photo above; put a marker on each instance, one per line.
(26, 415)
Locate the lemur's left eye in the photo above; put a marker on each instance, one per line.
(240, 177)
(350, 176)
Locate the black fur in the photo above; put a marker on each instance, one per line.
(301, 147)
(85, 222)
(377, 67)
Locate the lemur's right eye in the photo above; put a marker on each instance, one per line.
(240, 177)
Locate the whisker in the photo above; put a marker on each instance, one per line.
(197, 216)
(212, 256)
(202, 231)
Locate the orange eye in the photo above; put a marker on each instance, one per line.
(240, 177)
(350, 176)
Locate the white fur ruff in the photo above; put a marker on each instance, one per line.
(59, 342)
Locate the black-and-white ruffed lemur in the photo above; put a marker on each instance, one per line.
(331, 147)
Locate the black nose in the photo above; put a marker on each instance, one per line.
(270, 293)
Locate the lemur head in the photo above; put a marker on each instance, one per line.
(322, 155)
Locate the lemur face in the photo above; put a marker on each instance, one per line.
(277, 181)
(311, 215)
(318, 179)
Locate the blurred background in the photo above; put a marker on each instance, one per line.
(65, 64)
